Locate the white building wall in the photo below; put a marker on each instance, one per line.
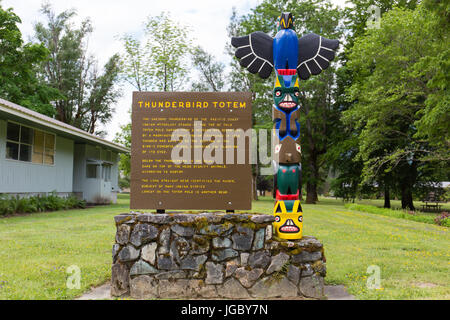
(23, 177)
(94, 189)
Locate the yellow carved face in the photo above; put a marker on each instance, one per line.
(288, 225)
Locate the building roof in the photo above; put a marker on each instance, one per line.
(17, 113)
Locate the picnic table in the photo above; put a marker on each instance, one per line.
(432, 202)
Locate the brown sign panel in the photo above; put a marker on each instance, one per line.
(194, 182)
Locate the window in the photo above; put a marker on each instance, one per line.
(38, 150)
(106, 172)
(12, 141)
(18, 142)
(91, 170)
(30, 145)
(49, 151)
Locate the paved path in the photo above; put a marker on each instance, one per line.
(338, 293)
(100, 293)
(103, 293)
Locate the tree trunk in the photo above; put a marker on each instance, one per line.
(311, 187)
(387, 198)
(407, 199)
(407, 180)
(165, 77)
(254, 187)
(311, 193)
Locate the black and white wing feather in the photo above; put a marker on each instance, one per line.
(314, 54)
(255, 53)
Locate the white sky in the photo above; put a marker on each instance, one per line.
(207, 19)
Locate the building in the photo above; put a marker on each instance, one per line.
(39, 155)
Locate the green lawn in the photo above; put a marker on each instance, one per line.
(413, 257)
(396, 204)
(36, 250)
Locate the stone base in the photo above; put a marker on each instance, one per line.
(212, 255)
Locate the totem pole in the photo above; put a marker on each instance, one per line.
(292, 58)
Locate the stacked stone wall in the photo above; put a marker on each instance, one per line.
(212, 255)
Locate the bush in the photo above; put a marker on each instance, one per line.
(74, 202)
(124, 183)
(443, 219)
(51, 202)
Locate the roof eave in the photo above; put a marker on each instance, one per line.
(30, 115)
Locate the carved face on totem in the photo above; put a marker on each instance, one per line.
(288, 221)
(285, 21)
(286, 92)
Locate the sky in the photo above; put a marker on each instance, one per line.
(208, 20)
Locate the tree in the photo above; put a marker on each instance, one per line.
(435, 67)
(159, 61)
(211, 72)
(359, 12)
(241, 80)
(88, 95)
(18, 67)
(124, 138)
(342, 155)
(102, 95)
(392, 89)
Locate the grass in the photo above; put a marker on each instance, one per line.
(410, 254)
(413, 257)
(37, 249)
(396, 205)
(402, 214)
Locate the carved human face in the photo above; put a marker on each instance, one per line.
(285, 97)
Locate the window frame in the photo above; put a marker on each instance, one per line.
(96, 165)
(30, 145)
(106, 171)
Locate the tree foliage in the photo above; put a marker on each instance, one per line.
(400, 79)
(212, 77)
(18, 67)
(343, 154)
(124, 138)
(87, 94)
(159, 60)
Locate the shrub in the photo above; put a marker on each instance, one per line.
(124, 183)
(5, 206)
(74, 202)
(21, 205)
(443, 219)
(51, 202)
